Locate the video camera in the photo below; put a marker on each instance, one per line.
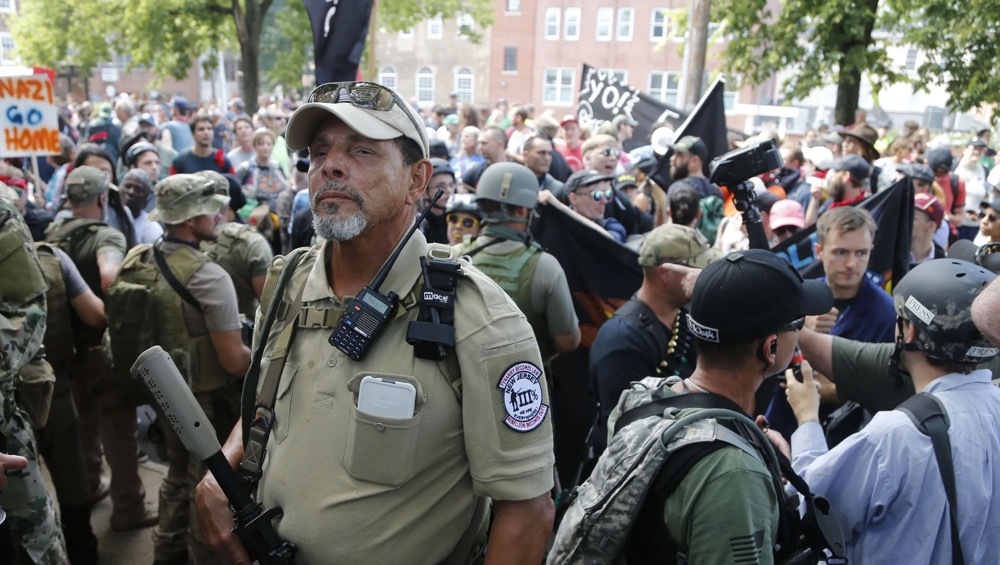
(734, 171)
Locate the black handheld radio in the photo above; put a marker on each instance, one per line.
(367, 312)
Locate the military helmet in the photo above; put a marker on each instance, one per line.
(508, 183)
(936, 297)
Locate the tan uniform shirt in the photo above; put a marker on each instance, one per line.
(360, 489)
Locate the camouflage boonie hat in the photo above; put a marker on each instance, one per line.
(84, 183)
(674, 243)
(182, 197)
(218, 181)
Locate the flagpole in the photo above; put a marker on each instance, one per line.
(372, 44)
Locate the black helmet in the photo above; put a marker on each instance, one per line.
(936, 297)
(441, 167)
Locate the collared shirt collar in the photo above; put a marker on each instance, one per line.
(955, 380)
(402, 276)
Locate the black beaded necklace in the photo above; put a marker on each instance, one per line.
(678, 347)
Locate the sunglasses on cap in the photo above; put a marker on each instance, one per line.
(468, 221)
(365, 95)
(794, 325)
(611, 152)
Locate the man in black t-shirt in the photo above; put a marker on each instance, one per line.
(202, 157)
(648, 335)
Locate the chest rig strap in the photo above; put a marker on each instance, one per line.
(432, 334)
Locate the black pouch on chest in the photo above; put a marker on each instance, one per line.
(432, 334)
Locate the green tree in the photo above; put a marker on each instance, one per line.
(168, 36)
(839, 41)
(285, 50)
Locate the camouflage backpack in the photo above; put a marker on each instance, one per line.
(644, 461)
(603, 509)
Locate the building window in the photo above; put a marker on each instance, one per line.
(731, 92)
(713, 28)
(406, 34)
(465, 24)
(552, 23)
(7, 6)
(663, 86)
(559, 86)
(658, 24)
(625, 19)
(387, 76)
(621, 75)
(7, 48)
(510, 59)
(572, 23)
(434, 27)
(513, 6)
(911, 60)
(425, 85)
(604, 23)
(465, 84)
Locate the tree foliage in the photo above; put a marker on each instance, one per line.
(839, 41)
(168, 36)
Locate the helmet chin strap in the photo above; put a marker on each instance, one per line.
(895, 362)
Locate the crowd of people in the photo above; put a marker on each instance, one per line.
(239, 243)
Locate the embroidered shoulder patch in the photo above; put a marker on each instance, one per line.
(522, 397)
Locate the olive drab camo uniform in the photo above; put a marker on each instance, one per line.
(244, 253)
(29, 507)
(356, 488)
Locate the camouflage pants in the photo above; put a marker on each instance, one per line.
(178, 538)
(29, 507)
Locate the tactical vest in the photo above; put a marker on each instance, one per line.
(75, 236)
(22, 302)
(59, 329)
(195, 356)
(231, 236)
(513, 273)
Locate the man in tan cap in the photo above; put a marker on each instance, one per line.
(477, 425)
(106, 416)
(197, 320)
(648, 335)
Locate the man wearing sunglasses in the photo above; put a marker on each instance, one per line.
(197, 319)
(989, 226)
(589, 192)
(362, 488)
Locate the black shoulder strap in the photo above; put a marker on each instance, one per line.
(954, 184)
(656, 407)
(496, 240)
(930, 417)
(161, 262)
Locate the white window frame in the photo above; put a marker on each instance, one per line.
(571, 15)
(512, 7)
(435, 27)
(660, 13)
(626, 24)
(621, 74)
(10, 9)
(664, 93)
(387, 76)
(425, 73)
(551, 25)
(464, 20)
(730, 98)
(560, 91)
(605, 19)
(465, 93)
(406, 34)
(5, 57)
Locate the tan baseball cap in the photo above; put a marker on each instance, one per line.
(182, 197)
(372, 110)
(674, 243)
(84, 183)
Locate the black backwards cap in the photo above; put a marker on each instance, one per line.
(750, 294)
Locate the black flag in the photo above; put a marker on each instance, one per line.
(707, 121)
(339, 28)
(602, 97)
(602, 274)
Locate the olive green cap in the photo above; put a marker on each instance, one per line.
(674, 243)
(182, 197)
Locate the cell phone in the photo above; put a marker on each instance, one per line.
(388, 398)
